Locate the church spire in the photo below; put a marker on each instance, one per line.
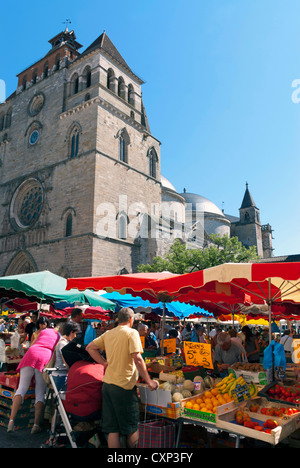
(247, 200)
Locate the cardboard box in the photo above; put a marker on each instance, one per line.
(259, 378)
(158, 397)
(172, 411)
(159, 402)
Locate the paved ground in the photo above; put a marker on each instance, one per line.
(22, 438)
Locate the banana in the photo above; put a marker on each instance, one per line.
(232, 388)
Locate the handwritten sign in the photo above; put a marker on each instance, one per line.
(198, 354)
(296, 351)
(170, 344)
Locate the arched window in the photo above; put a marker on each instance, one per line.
(46, 70)
(69, 222)
(111, 80)
(122, 227)
(121, 87)
(124, 142)
(87, 76)
(152, 162)
(74, 142)
(131, 95)
(74, 84)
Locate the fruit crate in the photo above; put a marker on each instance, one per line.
(264, 392)
(285, 427)
(11, 379)
(28, 403)
(206, 417)
(8, 392)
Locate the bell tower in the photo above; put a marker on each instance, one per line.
(248, 228)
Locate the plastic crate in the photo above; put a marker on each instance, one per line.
(190, 372)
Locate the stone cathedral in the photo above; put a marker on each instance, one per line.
(80, 183)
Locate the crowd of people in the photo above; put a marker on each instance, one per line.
(118, 348)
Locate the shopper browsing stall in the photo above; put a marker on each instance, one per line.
(120, 410)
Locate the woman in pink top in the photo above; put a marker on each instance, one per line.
(32, 364)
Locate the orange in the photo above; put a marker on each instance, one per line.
(188, 404)
(207, 394)
(199, 401)
(222, 401)
(214, 391)
(226, 396)
(196, 407)
(204, 409)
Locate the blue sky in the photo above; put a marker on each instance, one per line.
(218, 89)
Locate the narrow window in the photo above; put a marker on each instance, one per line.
(69, 225)
(8, 118)
(24, 83)
(111, 80)
(57, 63)
(46, 70)
(74, 143)
(88, 78)
(131, 95)
(122, 149)
(152, 163)
(121, 88)
(34, 77)
(122, 227)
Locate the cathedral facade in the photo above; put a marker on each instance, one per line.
(80, 180)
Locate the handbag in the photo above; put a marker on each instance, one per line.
(157, 433)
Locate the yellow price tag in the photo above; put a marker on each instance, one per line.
(198, 354)
(170, 344)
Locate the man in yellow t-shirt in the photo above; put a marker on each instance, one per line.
(120, 404)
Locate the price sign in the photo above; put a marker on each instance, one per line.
(170, 344)
(143, 341)
(296, 351)
(198, 354)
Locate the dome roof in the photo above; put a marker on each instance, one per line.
(167, 184)
(202, 204)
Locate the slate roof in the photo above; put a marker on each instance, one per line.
(247, 200)
(104, 43)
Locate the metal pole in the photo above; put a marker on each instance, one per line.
(270, 313)
(163, 330)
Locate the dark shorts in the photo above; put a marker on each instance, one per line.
(120, 410)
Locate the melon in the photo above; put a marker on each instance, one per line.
(186, 393)
(188, 385)
(177, 396)
(209, 383)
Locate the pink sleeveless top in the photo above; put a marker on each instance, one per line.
(39, 354)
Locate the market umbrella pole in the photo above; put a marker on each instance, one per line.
(163, 329)
(270, 313)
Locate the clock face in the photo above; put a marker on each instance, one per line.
(33, 138)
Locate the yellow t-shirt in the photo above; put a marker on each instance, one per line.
(118, 345)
